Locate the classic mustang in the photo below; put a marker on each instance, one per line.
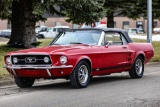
(79, 54)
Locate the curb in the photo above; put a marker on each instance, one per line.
(6, 82)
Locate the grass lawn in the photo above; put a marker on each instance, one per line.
(4, 50)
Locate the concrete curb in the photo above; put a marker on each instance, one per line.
(6, 82)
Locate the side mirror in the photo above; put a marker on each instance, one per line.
(109, 43)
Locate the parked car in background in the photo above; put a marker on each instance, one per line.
(156, 30)
(5, 33)
(79, 54)
(52, 32)
(40, 29)
(135, 31)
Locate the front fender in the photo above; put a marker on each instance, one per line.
(81, 58)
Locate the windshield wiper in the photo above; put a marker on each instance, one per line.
(75, 43)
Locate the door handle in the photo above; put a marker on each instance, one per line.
(124, 47)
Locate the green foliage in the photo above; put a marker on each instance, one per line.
(5, 9)
(80, 11)
(77, 11)
(138, 8)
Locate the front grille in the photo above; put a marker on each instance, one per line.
(30, 60)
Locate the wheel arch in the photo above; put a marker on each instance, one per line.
(85, 58)
(141, 54)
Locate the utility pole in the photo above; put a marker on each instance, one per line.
(149, 21)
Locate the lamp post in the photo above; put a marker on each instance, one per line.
(149, 21)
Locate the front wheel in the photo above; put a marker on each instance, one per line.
(137, 68)
(23, 82)
(80, 77)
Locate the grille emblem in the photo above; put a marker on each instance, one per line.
(30, 60)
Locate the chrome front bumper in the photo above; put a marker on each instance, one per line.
(47, 68)
(37, 67)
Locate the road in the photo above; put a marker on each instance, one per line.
(116, 90)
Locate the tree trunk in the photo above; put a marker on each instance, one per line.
(17, 21)
(110, 20)
(29, 39)
(23, 25)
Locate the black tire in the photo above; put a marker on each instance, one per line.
(77, 79)
(137, 69)
(40, 36)
(24, 82)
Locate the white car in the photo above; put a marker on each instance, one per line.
(5, 33)
(52, 32)
(40, 29)
(156, 30)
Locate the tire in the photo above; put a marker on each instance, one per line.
(80, 77)
(40, 36)
(24, 82)
(137, 69)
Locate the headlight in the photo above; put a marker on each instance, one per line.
(8, 60)
(63, 59)
(15, 60)
(46, 59)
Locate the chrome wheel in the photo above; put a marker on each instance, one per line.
(138, 67)
(80, 77)
(83, 74)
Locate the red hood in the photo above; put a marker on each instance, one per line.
(52, 49)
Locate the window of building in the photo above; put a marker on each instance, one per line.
(155, 24)
(75, 26)
(9, 24)
(126, 25)
(58, 24)
(114, 24)
(41, 23)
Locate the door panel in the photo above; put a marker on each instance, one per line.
(115, 51)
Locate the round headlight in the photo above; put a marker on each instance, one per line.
(15, 60)
(63, 59)
(8, 60)
(46, 59)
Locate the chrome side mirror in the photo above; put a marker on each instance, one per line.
(109, 43)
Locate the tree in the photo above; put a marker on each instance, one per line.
(139, 9)
(113, 8)
(25, 13)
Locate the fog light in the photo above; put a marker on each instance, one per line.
(15, 60)
(46, 59)
(63, 59)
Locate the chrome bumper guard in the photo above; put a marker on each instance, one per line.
(47, 68)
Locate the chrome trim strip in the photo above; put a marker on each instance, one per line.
(49, 74)
(101, 38)
(37, 67)
(14, 72)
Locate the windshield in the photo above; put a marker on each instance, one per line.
(78, 37)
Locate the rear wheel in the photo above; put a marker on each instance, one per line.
(80, 77)
(137, 68)
(23, 82)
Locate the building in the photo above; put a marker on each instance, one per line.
(120, 22)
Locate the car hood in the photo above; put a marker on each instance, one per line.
(56, 49)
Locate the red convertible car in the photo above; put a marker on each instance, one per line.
(79, 54)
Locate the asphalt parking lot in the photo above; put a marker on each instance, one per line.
(116, 90)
